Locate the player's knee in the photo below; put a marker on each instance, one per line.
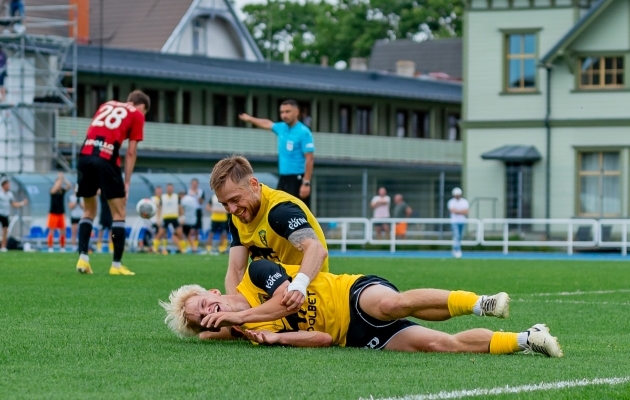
(442, 344)
(392, 307)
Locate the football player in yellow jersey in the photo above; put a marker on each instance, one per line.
(268, 224)
(347, 310)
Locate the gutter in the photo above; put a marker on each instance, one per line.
(548, 149)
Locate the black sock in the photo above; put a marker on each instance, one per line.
(85, 231)
(118, 238)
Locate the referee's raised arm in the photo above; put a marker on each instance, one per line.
(258, 122)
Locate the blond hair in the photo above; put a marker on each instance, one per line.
(235, 168)
(176, 310)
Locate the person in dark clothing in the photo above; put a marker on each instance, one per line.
(105, 222)
(56, 215)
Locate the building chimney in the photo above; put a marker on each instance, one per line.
(81, 16)
(358, 64)
(324, 61)
(406, 68)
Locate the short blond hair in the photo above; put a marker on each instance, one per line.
(235, 168)
(176, 310)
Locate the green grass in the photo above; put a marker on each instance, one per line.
(64, 335)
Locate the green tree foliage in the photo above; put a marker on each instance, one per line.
(346, 28)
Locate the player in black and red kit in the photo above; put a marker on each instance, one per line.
(99, 168)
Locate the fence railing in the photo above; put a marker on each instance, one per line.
(491, 232)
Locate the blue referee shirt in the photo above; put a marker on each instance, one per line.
(293, 143)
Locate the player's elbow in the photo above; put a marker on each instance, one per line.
(324, 340)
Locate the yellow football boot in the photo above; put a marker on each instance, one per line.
(83, 267)
(120, 271)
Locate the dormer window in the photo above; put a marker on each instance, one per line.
(199, 36)
(601, 72)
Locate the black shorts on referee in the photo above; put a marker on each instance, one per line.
(291, 184)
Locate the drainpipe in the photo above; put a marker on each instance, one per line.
(548, 155)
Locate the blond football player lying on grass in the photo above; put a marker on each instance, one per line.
(346, 310)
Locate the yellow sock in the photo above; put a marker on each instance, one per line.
(99, 246)
(504, 343)
(156, 245)
(195, 243)
(164, 243)
(182, 246)
(461, 302)
(110, 246)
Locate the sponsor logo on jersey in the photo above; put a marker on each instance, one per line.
(272, 279)
(262, 234)
(103, 145)
(296, 222)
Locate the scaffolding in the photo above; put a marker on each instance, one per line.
(40, 84)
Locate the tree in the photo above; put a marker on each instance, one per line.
(347, 28)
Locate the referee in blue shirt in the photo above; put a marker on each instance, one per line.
(295, 150)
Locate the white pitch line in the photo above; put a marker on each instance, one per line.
(577, 293)
(627, 303)
(458, 394)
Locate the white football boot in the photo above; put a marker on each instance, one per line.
(495, 306)
(540, 341)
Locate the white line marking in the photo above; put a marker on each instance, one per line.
(627, 303)
(577, 293)
(458, 394)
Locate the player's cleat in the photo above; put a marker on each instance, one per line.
(83, 267)
(496, 306)
(165, 252)
(540, 341)
(120, 271)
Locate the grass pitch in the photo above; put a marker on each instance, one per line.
(65, 335)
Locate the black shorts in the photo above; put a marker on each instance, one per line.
(4, 221)
(219, 227)
(105, 223)
(366, 331)
(187, 229)
(172, 222)
(95, 173)
(199, 224)
(154, 229)
(291, 184)
(74, 220)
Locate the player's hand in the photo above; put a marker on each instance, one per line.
(293, 300)
(217, 320)
(245, 117)
(24, 202)
(304, 191)
(262, 337)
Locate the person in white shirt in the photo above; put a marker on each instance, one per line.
(169, 212)
(189, 206)
(195, 191)
(75, 204)
(7, 200)
(458, 206)
(380, 203)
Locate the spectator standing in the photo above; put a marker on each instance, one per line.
(380, 203)
(105, 222)
(75, 204)
(295, 150)
(199, 195)
(3, 74)
(7, 200)
(57, 212)
(189, 206)
(155, 223)
(401, 210)
(218, 225)
(169, 211)
(459, 207)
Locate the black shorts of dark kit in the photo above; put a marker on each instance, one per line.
(95, 173)
(291, 184)
(187, 229)
(366, 331)
(74, 221)
(4, 221)
(172, 222)
(199, 224)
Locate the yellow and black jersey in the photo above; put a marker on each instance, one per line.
(267, 236)
(325, 309)
(170, 206)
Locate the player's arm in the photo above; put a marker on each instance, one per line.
(130, 161)
(409, 211)
(295, 339)
(18, 204)
(72, 204)
(308, 166)
(56, 186)
(222, 334)
(237, 265)
(261, 123)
